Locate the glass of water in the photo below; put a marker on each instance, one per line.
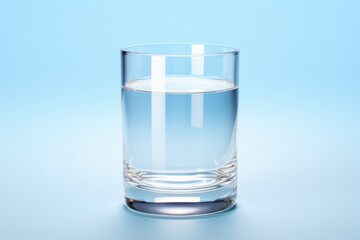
(179, 113)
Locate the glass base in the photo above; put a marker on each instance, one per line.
(181, 209)
(181, 193)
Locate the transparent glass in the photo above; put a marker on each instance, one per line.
(179, 108)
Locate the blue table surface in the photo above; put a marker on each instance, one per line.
(60, 118)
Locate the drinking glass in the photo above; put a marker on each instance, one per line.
(179, 114)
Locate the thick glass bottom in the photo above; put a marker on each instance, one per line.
(180, 193)
(181, 209)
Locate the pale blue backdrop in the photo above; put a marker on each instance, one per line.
(60, 128)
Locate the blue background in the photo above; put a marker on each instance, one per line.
(60, 121)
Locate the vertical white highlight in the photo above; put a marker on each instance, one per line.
(158, 73)
(197, 62)
(158, 120)
(197, 110)
(197, 100)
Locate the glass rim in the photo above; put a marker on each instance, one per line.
(127, 49)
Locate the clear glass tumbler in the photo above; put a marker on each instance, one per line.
(179, 108)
